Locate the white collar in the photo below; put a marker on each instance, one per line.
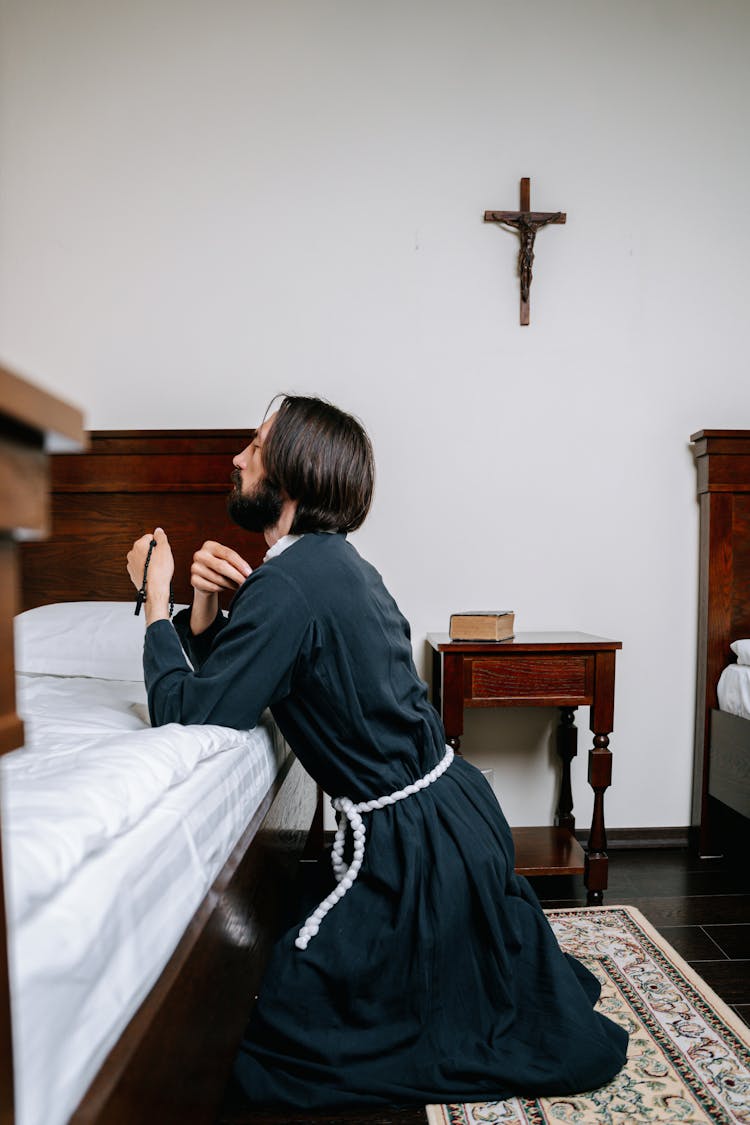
(280, 546)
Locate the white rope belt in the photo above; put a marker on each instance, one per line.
(345, 876)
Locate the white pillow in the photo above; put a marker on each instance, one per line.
(741, 650)
(102, 639)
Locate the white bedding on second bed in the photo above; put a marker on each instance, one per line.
(733, 690)
(98, 899)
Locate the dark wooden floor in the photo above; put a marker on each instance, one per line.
(702, 907)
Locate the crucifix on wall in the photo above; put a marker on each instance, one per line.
(526, 223)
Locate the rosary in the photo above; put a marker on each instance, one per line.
(141, 596)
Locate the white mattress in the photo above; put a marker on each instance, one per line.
(733, 690)
(137, 824)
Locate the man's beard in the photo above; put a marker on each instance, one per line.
(257, 511)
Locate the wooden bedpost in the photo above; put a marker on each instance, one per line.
(722, 459)
(30, 422)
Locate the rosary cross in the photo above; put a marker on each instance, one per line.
(526, 222)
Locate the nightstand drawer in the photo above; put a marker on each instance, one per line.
(530, 678)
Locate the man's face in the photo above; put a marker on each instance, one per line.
(253, 503)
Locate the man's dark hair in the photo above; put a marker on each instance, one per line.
(323, 459)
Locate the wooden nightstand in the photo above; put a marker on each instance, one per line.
(565, 670)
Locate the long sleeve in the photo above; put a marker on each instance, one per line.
(197, 646)
(250, 664)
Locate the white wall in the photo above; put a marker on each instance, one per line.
(205, 203)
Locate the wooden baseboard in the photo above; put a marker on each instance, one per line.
(624, 837)
(676, 837)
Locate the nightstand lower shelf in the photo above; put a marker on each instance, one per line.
(547, 851)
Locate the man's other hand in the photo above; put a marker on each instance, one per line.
(216, 568)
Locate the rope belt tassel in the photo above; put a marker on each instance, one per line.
(349, 816)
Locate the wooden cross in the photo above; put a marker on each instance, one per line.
(527, 223)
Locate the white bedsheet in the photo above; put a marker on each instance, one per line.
(112, 835)
(733, 690)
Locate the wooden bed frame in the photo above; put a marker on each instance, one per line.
(173, 1059)
(722, 741)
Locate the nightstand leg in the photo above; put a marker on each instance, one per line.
(597, 861)
(453, 700)
(437, 698)
(567, 748)
(437, 682)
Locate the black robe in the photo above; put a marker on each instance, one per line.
(437, 976)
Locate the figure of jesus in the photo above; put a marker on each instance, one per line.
(527, 228)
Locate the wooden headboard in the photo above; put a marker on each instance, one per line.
(723, 464)
(126, 483)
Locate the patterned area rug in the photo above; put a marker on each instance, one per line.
(689, 1056)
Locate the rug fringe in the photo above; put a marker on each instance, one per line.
(436, 1115)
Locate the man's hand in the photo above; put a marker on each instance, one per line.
(217, 568)
(160, 571)
(214, 568)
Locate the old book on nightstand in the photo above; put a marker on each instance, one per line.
(482, 625)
